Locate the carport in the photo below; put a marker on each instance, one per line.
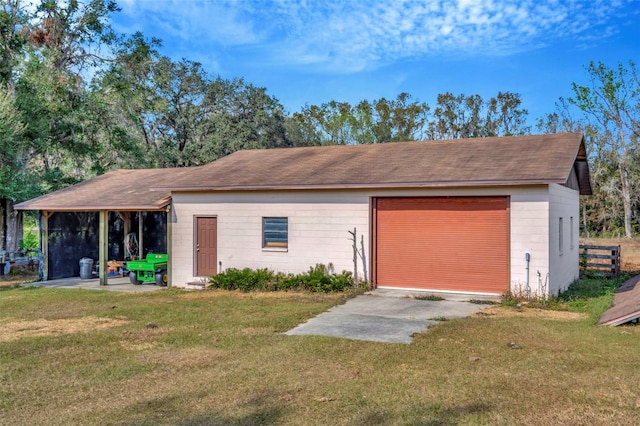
(123, 196)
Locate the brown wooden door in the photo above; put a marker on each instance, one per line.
(206, 246)
(443, 243)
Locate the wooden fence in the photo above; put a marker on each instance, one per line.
(600, 260)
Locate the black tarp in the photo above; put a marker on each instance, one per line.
(73, 236)
(155, 231)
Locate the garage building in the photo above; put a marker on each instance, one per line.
(469, 216)
(474, 216)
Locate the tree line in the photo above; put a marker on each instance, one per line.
(78, 99)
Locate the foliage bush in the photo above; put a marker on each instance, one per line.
(30, 240)
(319, 279)
(591, 285)
(591, 295)
(243, 280)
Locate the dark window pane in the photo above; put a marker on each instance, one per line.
(275, 232)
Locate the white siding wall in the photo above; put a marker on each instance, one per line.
(563, 266)
(529, 234)
(319, 222)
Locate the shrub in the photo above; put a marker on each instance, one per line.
(319, 279)
(322, 279)
(30, 240)
(284, 282)
(592, 286)
(245, 280)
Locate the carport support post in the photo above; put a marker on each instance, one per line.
(103, 243)
(140, 235)
(169, 254)
(44, 243)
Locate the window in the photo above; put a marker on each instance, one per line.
(275, 232)
(560, 236)
(571, 233)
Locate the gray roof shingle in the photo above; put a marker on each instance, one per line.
(518, 160)
(540, 159)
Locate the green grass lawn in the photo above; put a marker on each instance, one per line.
(218, 357)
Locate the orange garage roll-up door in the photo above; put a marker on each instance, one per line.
(442, 243)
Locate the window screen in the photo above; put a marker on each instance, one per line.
(275, 232)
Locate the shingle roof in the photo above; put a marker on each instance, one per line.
(117, 190)
(539, 159)
(521, 160)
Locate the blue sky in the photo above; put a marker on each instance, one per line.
(313, 51)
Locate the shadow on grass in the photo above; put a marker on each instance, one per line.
(434, 415)
(263, 416)
(454, 414)
(266, 408)
(167, 410)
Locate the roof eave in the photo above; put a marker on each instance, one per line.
(581, 168)
(93, 208)
(395, 185)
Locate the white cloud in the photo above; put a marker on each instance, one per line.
(348, 36)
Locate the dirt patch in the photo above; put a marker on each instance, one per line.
(15, 329)
(144, 339)
(257, 331)
(187, 358)
(509, 312)
(210, 294)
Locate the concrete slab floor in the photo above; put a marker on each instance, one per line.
(113, 284)
(382, 316)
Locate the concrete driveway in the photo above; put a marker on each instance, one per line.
(384, 316)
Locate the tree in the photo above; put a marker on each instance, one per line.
(471, 116)
(15, 183)
(130, 104)
(241, 116)
(340, 123)
(505, 116)
(561, 120)
(400, 119)
(612, 101)
(457, 117)
(302, 130)
(45, 54)
(326, 124)
(13, 20)
(183, 117)
(13, 149)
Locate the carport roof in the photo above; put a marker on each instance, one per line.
(121, 190)
(518, 160)
(496, 161)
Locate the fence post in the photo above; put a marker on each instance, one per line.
(610, 261)
(617, 261)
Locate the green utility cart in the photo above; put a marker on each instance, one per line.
(153, 269)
